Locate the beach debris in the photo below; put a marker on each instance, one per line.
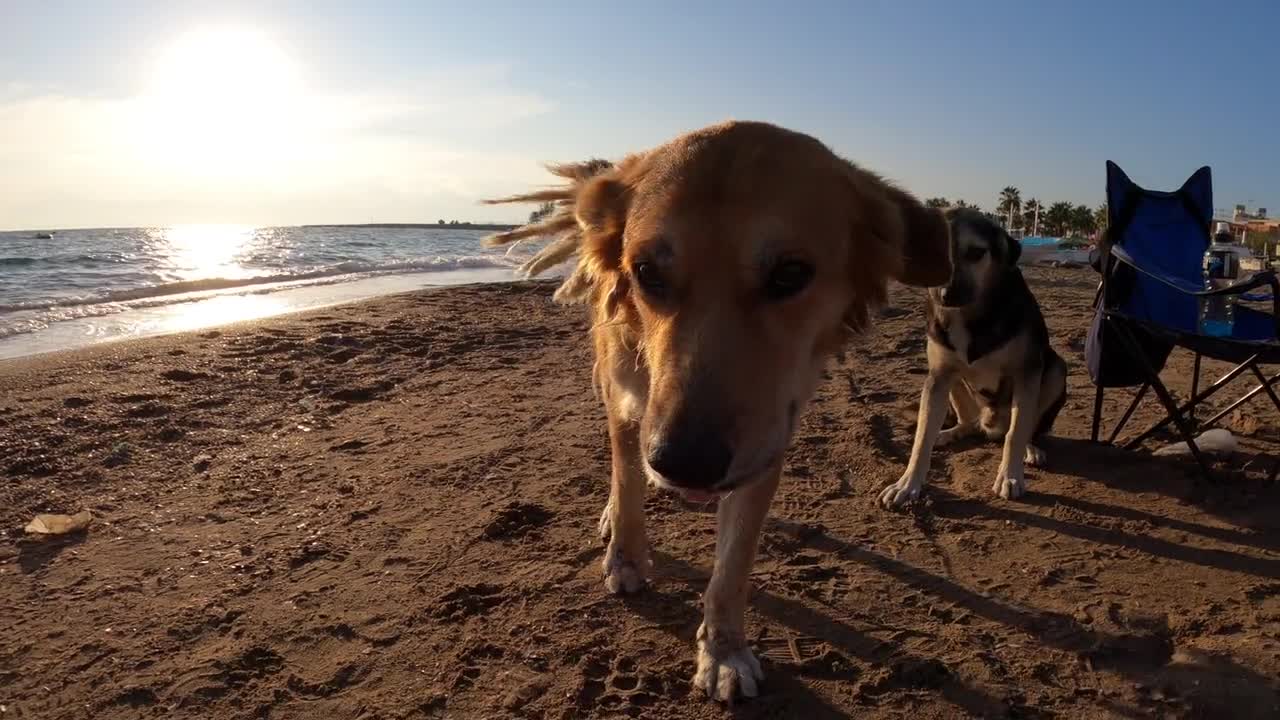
(49, 524)
(120, 454)
(1215, 442)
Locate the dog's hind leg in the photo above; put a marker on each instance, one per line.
(1053, 395)
(626, 561)
(726, 664)
(968, 413)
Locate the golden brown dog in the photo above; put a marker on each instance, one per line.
(722, 270)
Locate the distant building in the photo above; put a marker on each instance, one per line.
(1244, 223)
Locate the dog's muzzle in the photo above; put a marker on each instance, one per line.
(691, 461)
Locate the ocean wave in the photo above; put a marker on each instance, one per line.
(166, 292)
(79, 260)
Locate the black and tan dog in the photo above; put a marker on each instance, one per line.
(989, 349)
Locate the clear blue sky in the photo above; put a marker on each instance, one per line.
(402, 111)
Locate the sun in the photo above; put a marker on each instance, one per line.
(219, 100)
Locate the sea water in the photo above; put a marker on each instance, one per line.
(83, 286)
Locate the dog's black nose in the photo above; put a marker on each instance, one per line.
(691, 460)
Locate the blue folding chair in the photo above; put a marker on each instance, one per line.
(1149, 302)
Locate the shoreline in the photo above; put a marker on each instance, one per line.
(216, 308)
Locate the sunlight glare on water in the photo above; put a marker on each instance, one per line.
(204, 251)
(215, 311)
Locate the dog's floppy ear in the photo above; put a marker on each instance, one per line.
(895, 237)
(924, 237)
(916, 238)
(601, 212)
(587, 222)
(1013, 249)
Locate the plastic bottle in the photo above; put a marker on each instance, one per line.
(1221, 268)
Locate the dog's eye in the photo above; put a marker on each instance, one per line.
(649, 277)
(974, 254)
(787, 278)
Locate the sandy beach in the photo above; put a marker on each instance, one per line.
(387, 509)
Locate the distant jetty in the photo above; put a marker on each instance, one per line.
(424, 226)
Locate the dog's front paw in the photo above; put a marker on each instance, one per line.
(1009, 486)
(726, 669)
(625, 572)
(901, 492)
(1034, 456)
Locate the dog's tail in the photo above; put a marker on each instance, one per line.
(561, 226)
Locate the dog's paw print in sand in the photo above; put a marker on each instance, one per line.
(467, 601)
(619, 685)
(347, 676)
(143, 406)
(471, 661)
(516, 520)
(808, 656)
(184, 376)
(219, 678)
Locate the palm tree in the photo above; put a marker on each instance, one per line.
(1100, 218)
(544, 210)
(1031, 212)
(1010, 203)
(1057, 219)
(962, 204)
(1082, 220)
(936, 202)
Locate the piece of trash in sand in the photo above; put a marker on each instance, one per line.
(59, 524)
(1215, 442)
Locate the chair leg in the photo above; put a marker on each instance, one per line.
(1137, 398)
(1097, 414)
(1215, 387)
(1195, 388)
(1265, 385)
(1170, 406)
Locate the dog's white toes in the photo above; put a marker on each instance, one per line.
(1009, 487)
(606, 522)
(900, 493)
(723, 674)
(1034, 456)
(623, 574)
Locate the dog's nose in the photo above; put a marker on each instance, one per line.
(691, 460)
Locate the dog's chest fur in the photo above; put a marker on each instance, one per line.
(990, 342)
(984, 368)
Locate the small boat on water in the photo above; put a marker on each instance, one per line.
(44, 236)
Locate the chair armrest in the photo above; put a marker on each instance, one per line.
(1240, 287)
